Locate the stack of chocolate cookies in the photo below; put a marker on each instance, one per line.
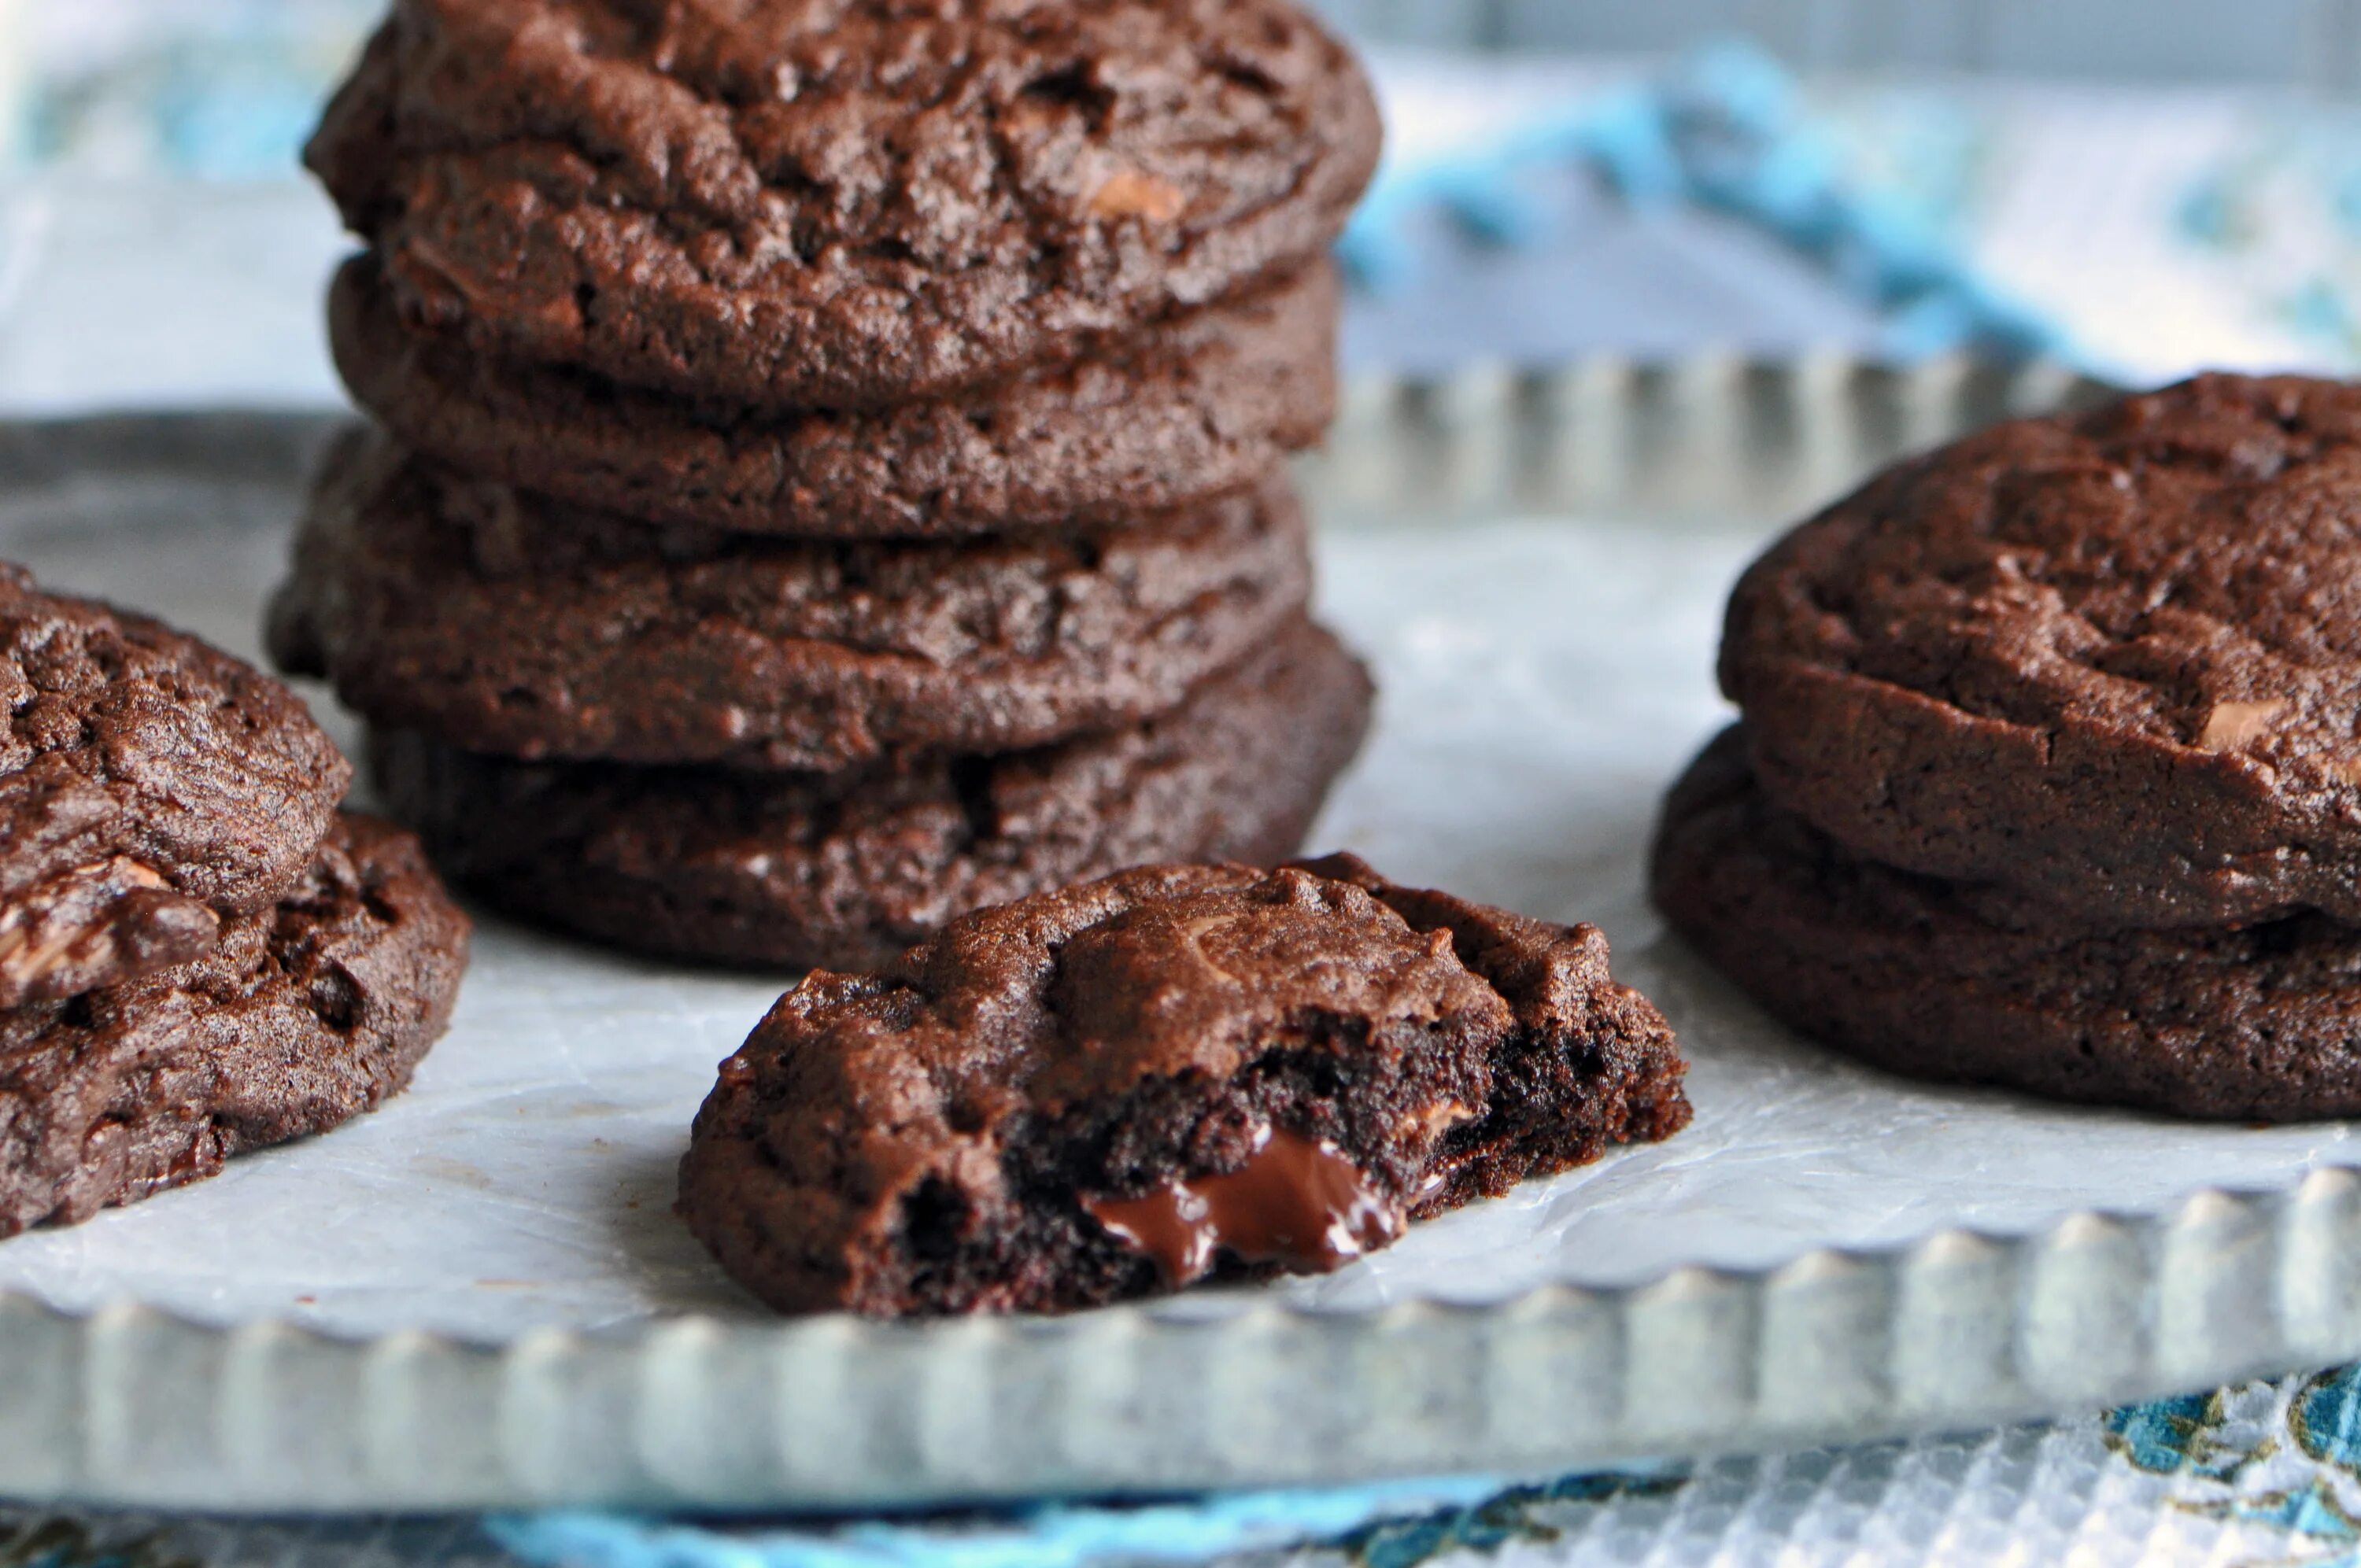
(828, 470)
(2050, 772)
(199, 954)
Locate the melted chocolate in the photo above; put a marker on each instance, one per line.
(1296, 1202)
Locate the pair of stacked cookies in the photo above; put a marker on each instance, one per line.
(199, 953)
(2050, 770)
(829, 464)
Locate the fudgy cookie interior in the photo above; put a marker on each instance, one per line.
(1172, 1074)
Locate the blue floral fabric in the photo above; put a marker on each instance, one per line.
(2262, 1475)
(2285, 1456)
(1727, 131)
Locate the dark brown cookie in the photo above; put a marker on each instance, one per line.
(2111, 660)
(1122, 1087)
(1203, 407)
(838, 204)
(1961, 984)
(150, 786)
(846, 868)
(501, 623)
(303, 1016)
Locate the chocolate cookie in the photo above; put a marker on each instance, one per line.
(1124, 1087)
(2111, 660)
(846, 868)
(1957, 982)
(839, 205)
(150, 786)
(303, 1016)
(501, 623)
(1204, 406)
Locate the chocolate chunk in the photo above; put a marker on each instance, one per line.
(1298, 1204)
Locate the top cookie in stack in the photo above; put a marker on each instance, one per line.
(831, 459)
(2049, 774)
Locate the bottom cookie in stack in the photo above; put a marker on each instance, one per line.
(844, 869)
(1959, 982)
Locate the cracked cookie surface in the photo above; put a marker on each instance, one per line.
(150, 787)
(2111, 659)
(838, 203)
(1203, 406)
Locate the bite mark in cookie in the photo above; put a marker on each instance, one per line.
(1121, 1087)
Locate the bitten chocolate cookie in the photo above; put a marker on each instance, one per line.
(846, 868)
(501, 623)
(1956, 982)
(1204, 406)
(838, 204)
(150, 787)
(2112, 660)
(1179, 1071)
(303, 1016)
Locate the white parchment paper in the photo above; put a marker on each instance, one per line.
(1543, 681)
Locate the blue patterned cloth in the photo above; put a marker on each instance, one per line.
(1727, 132)
(1042, 1536)
(2264, 1475)
(2286, 1457)
(2260, 1475)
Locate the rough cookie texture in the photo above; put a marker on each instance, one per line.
(838, 202)
(501, 623)
(150, 786)
(1955, 983)
(846, 868)
(1206, 405)
(2113, 659)
(945, 1135)
(304, 1016)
